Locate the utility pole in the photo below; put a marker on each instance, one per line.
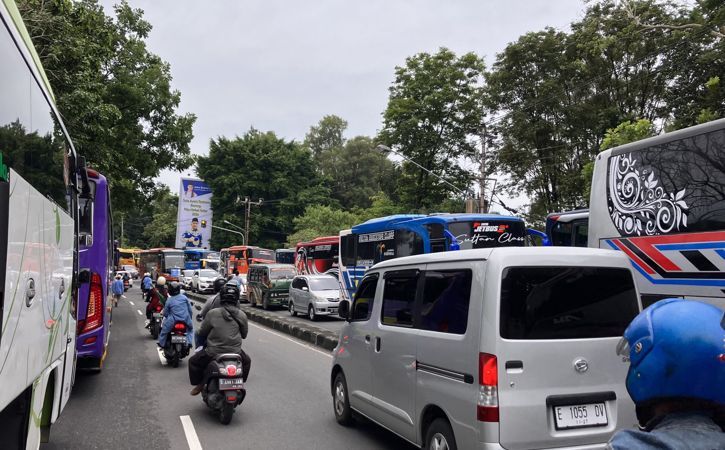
(482, 200)
(248, 209)
(121, 230)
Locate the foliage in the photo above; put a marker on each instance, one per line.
(434, 110)
(260, 165)
(114, 95)
(161, 230)
(320, 220)
(626, 132)
(326, 137)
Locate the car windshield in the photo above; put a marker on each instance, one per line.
(566, 302)
(282, 274)
(188, 273)
(129, 267)
(324, 284)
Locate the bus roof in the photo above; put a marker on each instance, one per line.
(417, 219)
(161, 249)
(242, 247)
(320, 241)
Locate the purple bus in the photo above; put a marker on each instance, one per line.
(95, 263)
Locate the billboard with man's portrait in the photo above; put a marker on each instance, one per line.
(194, 219)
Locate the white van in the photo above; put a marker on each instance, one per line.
(495, 348)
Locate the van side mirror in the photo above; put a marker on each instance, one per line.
(344, 309)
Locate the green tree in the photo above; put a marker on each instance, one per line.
(434, 112)
(326, 137)
(320, 220)
(114, 94)
(260, 165)
(161, 230)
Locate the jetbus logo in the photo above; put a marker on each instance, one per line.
(484, 227)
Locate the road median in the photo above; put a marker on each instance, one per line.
(306, 332)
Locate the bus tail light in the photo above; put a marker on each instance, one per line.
(487, 406)
(94, 315)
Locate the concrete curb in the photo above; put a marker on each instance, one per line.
(309, 333)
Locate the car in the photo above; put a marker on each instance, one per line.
(490, 348)
(127, 279)
(132, 270)
(203, 280)
(268, 284)
(186, 277)
(314, 295)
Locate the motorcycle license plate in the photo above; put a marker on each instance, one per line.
(579, 416)
(178, 339)
(229, 384)
(157, 315)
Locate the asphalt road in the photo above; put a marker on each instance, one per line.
(137, 402)
(332, 323)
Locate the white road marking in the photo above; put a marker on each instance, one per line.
(139, 312)
(190, 433)
(162, 358)
(309, 347)
(132, 303)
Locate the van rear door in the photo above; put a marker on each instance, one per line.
(560, 380)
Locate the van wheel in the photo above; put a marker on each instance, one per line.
(265, 303)
(439, 436)
(311, 313)
(341, 402)
(291, 308)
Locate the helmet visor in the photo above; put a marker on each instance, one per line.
(623, 347)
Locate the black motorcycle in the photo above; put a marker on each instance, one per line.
(177, 347)
(155, 323)
(224, 389)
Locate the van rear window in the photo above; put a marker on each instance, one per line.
(566, 302)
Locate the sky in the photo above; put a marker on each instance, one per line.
(282, 65)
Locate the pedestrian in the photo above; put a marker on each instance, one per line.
(237, 279)
(676, 378)
(117, 289)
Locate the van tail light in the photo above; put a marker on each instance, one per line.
(487, 406)
(94, 314)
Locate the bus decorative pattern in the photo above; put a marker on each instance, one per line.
(696, 259)
(351, 277)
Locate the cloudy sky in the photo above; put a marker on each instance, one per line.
(283, 65)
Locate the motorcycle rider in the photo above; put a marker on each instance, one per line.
(223, 328)
(157, 297)
(146, 285)
(117, 289)
(176, 309)
(676, 377)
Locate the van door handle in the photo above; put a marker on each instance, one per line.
(377, 344)
(367, 339)
(514, 366)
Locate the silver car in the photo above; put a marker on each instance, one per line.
(203, 280)
(314, 295)
(504, 348)
(186, 277)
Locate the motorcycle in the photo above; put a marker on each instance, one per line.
(155, 325)
(177, 346)
(224, 389)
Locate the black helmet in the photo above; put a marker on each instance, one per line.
(174, 288)
(229, 293)
(219, 284)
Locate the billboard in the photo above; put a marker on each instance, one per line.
(194, 219)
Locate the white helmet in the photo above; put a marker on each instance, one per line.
(147, 274)
(161, 281)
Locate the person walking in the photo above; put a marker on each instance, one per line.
(676, 378)
(117, 289)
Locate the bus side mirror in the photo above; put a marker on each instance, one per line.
(344, 309)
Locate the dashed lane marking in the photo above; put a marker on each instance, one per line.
(190, 433)
(309, 347)
(132, 303)
(139, 312)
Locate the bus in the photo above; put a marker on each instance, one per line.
(96, 260)
(40, 179)
(285, 255)
(660, 200)
(568, 228)
(317, 256)
(412, 234)
(127, 257)
(240, 257)
(168, 262)
(194, 256)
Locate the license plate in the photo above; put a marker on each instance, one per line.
(227, 384)
(578, 416)
(157, 315)
(178, 339)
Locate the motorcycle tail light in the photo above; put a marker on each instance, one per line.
(179, 327)
(231, 370)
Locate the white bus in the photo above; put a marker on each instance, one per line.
(662, 202)
(38, 258)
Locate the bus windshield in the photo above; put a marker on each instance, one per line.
(489, 233)
(262, 253)
(174, 260)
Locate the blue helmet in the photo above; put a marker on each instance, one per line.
(677, 350)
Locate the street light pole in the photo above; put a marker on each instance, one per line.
(231, 231)
(237, 228)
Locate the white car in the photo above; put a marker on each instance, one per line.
(186, 277)
(126, 285)
(132, 270)
(203, 280)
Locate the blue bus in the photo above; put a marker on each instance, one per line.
(193, 257)
(568, 228)
(412, 234)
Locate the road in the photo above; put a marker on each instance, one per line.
(331, 323)
(137, 402)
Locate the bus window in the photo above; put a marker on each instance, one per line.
(561, 234)
(489, 233)
(581, 233)
(85, 215)
(373, 248)
(347, 249)
(437, 237)
(408, 243)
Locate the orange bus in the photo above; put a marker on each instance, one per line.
(168, 262)
(240, 257)
(317, 256)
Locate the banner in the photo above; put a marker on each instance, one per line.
(193, 221)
